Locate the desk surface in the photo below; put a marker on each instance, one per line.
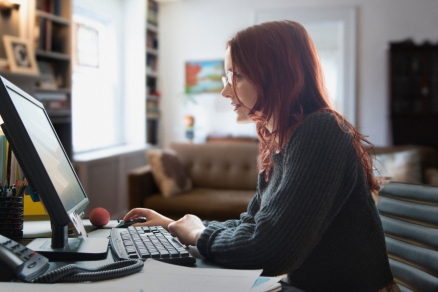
(36, 228)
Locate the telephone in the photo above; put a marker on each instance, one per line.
(30, 266)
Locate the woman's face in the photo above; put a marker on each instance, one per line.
(244, 89)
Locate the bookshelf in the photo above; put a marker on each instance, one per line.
(413, 88)
(152, 58)
(47, 26)
(50, 30)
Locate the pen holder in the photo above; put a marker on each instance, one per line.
(11, 217)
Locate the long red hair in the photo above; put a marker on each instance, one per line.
(281, 61)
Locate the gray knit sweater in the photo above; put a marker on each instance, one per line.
(315, 219)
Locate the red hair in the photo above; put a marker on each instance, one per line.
(281, 61)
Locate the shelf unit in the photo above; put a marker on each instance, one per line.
(152, 58)
(49, 25)
(414, 93)
(51, 32)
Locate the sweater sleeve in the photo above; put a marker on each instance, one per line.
(247, 216)
(319, 169)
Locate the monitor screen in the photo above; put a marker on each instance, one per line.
(49, 150)
(40, 154)
(47, 167)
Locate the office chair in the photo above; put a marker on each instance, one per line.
(409, 214)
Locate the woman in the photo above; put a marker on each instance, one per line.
(313, 216)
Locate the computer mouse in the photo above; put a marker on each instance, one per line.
(123, 224)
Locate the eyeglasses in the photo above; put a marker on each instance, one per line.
(228, 79)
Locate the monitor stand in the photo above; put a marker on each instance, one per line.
(61, 248)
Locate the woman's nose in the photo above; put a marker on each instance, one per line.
(224, 92)
(227, 91)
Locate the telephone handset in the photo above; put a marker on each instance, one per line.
(24, 263)
(30, 266)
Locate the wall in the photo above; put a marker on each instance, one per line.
(198, 30)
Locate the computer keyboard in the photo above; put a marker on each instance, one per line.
(148, 242)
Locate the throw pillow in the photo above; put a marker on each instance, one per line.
(402, 166)
(168, 172)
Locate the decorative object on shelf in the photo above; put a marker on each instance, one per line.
(204, 76)
(20, 55)
(6, 7)
(189, 123)
(48, 72)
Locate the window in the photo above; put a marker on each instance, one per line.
(96, 90)
(108, 90)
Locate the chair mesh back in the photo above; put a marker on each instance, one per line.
(409, 215)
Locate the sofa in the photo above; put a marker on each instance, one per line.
(223, 181)
(223, 177)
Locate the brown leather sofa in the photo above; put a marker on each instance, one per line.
(224, 177)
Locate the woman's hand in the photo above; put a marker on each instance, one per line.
(152, 218)
(187, 229)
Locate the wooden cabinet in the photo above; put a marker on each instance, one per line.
(152, 58)
(414, 93)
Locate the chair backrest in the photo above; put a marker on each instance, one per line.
(409, 214)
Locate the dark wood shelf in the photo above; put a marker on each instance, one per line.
(30, 77)
(53, 55)
(63, 90)
(58, 19)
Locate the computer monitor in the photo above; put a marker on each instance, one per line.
(50, 174)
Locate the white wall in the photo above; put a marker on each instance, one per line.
(199, 29)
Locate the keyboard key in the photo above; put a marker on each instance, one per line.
(174, 253)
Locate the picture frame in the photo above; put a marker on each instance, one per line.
(204, 76)
(20, 55)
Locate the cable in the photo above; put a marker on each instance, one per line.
(73, 273)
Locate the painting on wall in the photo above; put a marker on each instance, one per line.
(204, 76)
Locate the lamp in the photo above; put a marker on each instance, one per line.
(6, 7)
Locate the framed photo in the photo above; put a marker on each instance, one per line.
(20, 55)
(204, 76)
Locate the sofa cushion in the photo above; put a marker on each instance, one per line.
(207, 204)
(168, 172)
(220, 165)
(402, 166)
